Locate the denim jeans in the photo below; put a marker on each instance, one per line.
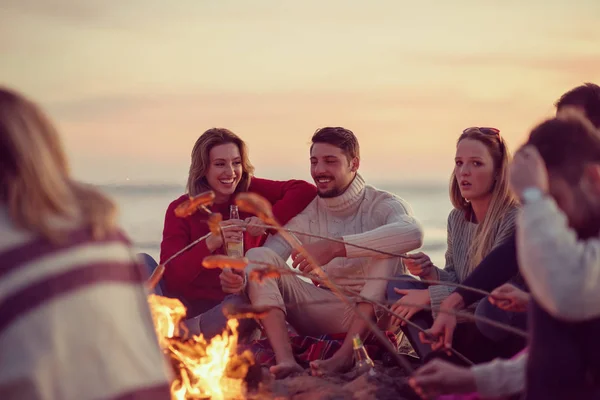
(213, 322)
(490, 311)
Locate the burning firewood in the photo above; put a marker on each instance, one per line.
(191, 205)
(221, 261)
(203, 370)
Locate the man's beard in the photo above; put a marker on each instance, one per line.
(335, 192)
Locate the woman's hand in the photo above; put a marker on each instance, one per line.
(442, 331)
(252, 226)
(414, 297)
(232, 281)
(232, 230)
(214, 242)
(440, 335)
(419, 264)
(510, 298)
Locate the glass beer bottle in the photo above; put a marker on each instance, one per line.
(362, 361)
(235, 249)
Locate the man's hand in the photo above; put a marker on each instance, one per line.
(252, 226)
(441, 333)
(411, 296)
(528, 170)
(232, 281)
(419, 264)
(440, 377)
(510, 298)
(323, 251)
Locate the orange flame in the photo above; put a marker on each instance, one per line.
(204, 370)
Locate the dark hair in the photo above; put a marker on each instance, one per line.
(200, 163)
(586, 96)
(567, 145)
(339, 137)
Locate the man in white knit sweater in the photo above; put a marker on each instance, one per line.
(347, 209)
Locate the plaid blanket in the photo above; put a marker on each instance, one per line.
(310, 348)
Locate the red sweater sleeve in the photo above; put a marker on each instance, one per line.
(187, 267)
(287, 197)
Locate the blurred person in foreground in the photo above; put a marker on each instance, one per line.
(74, 316)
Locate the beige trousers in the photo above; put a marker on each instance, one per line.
(330, 316)
(327, 313)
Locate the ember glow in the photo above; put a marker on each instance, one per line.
(203, 370)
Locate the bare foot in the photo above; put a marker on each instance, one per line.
(331, 365)
(285, 368)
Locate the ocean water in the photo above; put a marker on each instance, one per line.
(142, 211)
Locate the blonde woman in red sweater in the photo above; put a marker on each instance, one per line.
(219, 162)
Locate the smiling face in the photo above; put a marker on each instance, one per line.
(224, 171)
(474, 170)
(331, 169)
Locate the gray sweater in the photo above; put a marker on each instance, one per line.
(461, 233)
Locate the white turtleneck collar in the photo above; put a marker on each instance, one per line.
(347, 202)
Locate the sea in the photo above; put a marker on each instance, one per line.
(142, 212)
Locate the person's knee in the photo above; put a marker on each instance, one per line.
(147, 259)
(489, 311)
(263, 255)
(234, 300)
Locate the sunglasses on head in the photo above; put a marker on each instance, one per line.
(484, 130)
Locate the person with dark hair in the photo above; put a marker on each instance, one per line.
(557, 175)
(585, 98)
(219, 162)
(348, 209)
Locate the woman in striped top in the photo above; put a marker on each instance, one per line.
(74, 317)
(483, 217)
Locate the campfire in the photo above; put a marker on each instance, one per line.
(203, 370)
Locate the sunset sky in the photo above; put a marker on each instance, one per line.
(133, 83)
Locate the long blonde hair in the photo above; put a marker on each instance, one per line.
(502, 197)
(200, 162)
(34, 175)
